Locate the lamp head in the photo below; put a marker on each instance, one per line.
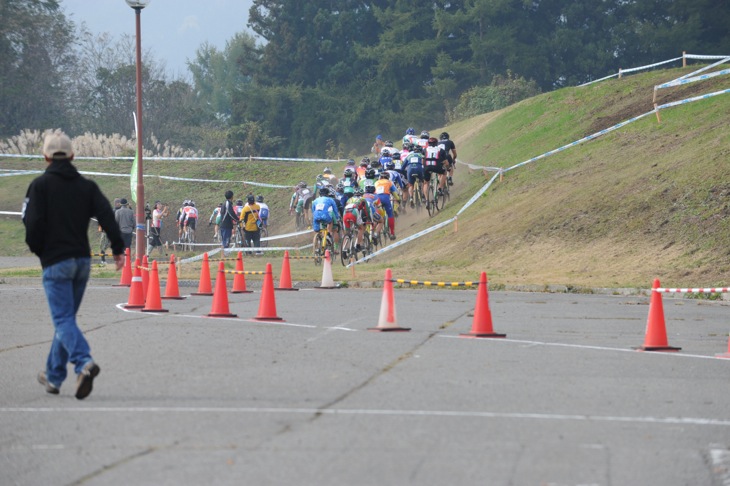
(138, 4)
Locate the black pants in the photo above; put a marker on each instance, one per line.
(253, 238)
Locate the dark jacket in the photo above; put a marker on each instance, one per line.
(56, 213)
(228, 215)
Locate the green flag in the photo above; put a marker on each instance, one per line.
(133, 178)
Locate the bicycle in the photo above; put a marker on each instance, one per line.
(301, 221)
(417, 197)
(434, 196)
(187, 239)
(322, 242)
(348, 247)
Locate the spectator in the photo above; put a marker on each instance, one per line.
(125, 219)
(58, 234)
(228, 219)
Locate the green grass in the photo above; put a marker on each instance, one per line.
(649, 200)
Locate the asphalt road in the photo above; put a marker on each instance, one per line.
(319, 400)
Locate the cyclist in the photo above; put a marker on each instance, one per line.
(302, 201)
(397, 178)
(362, 168)
(215, 220)
(423, 140)
(368, 179)
(263, 211)
(353, 213)
(350, 165)
(435, 161)
(179, 219)
(376, 213)
(410, 136)
(349, 183)
(238, 207)
(413, 165)
(384, 189)
(450, 148)
(190, 218)
(324, 211)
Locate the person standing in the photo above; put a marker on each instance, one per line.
(158, 214)
(125, 219)
(228, 220)
(251, 223)
(58, 234)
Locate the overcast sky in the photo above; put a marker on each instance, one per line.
(171, 29)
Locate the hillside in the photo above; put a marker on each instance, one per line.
(650, 200)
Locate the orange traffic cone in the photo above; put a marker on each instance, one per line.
(656, 331)
(239, 279)
(153, 302)
(387, 319)
(204, 287)
(285, 280)
(145, 275)
(725, 355)
(172, 290)
(126, 279)
(267, 304)
(482, 324)
(327, 280)
(136, 296)
(220, 298)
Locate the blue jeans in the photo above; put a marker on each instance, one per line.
(65, 283)
(225, 236)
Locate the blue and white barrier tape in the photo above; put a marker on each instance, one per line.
(681, 81)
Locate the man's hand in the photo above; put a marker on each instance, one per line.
(119, 261)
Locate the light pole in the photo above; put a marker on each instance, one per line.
(141, 246)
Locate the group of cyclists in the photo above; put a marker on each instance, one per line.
(375, 191)
(368, 195)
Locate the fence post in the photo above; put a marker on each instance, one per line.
(684, 59)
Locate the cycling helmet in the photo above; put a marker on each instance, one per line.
(324, 191)
(192, 204)
(388, 143)
(375, 164)
(384, 175)
(260, 199)
(417, 149)
(327, 170)
(411, 131)
(370, 188)
(302, 184)
(396, 156)
(186, 203)
(370, 174)
(239, 202)
(390, 165)
(348, 173)
(251, 199)
(433, 142)
(424, 134)
(340, 187)
(351, 162)
(444, 136)
(365, 161)
(407, 146)
(358, 192)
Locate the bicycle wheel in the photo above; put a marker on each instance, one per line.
(345, 249)
(431, 200)
(264, 234)
(239, 242)
(317, 248)
(367, 247)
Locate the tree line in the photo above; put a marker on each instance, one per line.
(330, 75)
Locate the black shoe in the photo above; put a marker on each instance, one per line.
(85, 380)
(413, 205)
(50, 387)
(358, 248)
(451, 182)
(392, 236)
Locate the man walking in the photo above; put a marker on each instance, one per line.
(229, 218)
(56, 213)
(125, 219)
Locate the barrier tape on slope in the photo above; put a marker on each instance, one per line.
(690, 100)
(718, 290)
(11, 213)
(427, 283)
(681, 81)
(172, 159)
(700, 56)
(479, 167)
(631, 70)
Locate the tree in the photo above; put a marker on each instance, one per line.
(35, 40)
